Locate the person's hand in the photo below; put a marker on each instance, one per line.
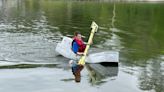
(91, 42)
(80, 53)
(70, 62)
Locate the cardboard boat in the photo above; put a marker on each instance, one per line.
(64, 48)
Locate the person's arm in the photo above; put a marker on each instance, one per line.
(75, 47)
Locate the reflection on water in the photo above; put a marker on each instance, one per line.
(21, 66)
(114, 41)
(30, 29)
(97, 72)
(151, 76)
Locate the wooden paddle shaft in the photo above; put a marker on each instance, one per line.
(82, 59)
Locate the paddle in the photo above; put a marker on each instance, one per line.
(94, 28)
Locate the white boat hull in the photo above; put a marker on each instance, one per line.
(64, 49)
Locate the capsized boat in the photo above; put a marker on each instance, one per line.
(64, 48)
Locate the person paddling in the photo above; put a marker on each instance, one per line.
(78, 47)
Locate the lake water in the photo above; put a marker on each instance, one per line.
(30, 30)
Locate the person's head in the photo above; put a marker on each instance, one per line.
(78, 35)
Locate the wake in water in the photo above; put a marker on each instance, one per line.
(11, 65)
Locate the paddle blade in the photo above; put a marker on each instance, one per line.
(94, 26)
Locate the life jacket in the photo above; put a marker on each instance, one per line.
(80, 43)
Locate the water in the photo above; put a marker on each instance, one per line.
(30, 30)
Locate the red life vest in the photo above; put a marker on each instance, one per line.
(81, 44)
